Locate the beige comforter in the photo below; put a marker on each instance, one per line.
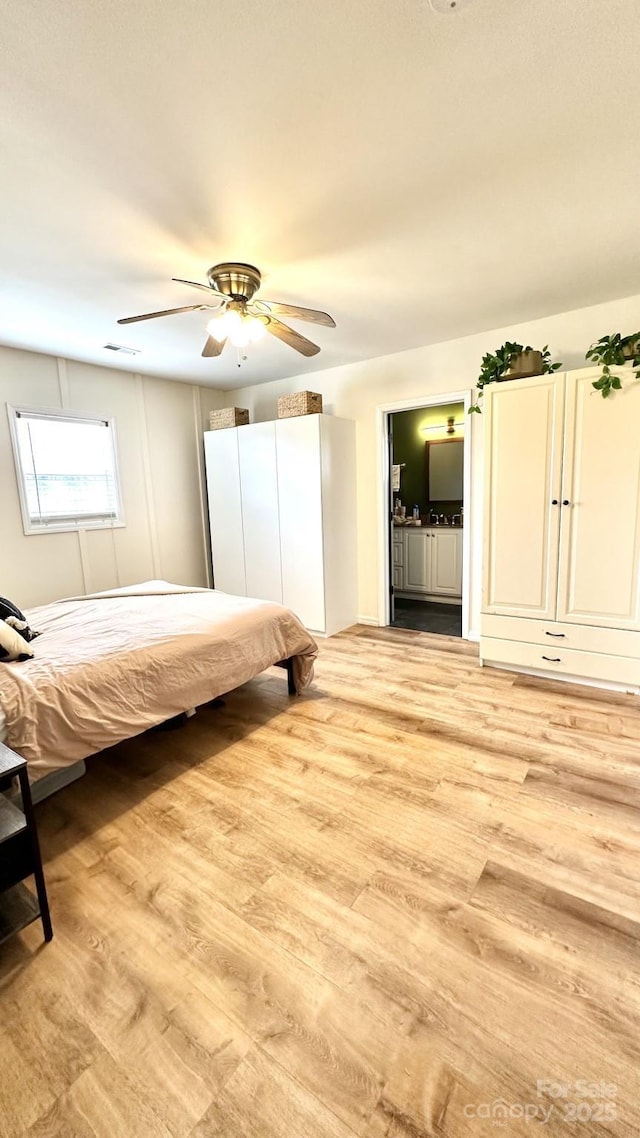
(109, 666)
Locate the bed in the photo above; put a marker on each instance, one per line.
(110, 665)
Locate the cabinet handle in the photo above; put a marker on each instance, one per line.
(553, 659)
(566, 502)
(554, 501)
(558, 635)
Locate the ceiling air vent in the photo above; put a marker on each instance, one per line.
(121, 348)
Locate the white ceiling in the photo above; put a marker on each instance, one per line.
(420, 176)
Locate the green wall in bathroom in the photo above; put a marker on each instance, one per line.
(409, 438)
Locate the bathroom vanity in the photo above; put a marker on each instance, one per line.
(427, 562)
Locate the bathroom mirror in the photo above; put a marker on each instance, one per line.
(444, 464)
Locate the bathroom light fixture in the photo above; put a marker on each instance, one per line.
(449, 426)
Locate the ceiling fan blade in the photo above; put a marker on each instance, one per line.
(206, 288)
(288, 336)
(213, 347)
(165, 312)
(310, 314)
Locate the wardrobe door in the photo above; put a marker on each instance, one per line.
(225, 510)
(600, 535)
(260, 523)
(339, 511)
(523, 464)
(300, 500)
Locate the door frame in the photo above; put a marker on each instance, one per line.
(383, 410)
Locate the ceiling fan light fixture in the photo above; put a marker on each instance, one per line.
(218, 327)
(236, 327)
(237, 317)
(256, 329)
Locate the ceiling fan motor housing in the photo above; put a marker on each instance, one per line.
(235, 280)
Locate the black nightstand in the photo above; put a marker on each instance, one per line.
(19, 856)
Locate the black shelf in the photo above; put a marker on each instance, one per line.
(12, 820)
(18, 908)
(10, 763)
(19, 855)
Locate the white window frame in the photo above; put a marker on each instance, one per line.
(66, 525)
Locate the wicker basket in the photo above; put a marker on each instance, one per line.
(228, 417)
(299, 403)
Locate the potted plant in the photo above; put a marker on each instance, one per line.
(614, 351)
(512, 361)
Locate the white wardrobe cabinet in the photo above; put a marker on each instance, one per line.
(561, 582)
(282, 515)
(222, 462)
(260, 511)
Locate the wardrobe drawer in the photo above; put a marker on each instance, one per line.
(580, 637)
(561, 661)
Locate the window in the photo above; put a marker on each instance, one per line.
(66, 469)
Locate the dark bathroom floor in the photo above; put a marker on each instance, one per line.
(428, 616)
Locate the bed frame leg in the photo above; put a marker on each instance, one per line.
(290, 680)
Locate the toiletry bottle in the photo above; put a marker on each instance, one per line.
(416, 513)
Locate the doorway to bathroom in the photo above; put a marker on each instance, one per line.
(425, 488)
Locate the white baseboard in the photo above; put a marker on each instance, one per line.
(473, 636)
(372, 620)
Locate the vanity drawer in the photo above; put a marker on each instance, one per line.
(579, 637)
(561, 661)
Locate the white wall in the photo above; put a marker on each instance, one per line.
(356, 390)
(159, 441)
(159, 429)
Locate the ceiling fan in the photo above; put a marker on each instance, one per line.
(238, 317)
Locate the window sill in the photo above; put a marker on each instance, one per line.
(71, 527)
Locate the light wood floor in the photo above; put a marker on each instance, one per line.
(368, 911)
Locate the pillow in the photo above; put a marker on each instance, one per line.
(13, 646)
(14, 617)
